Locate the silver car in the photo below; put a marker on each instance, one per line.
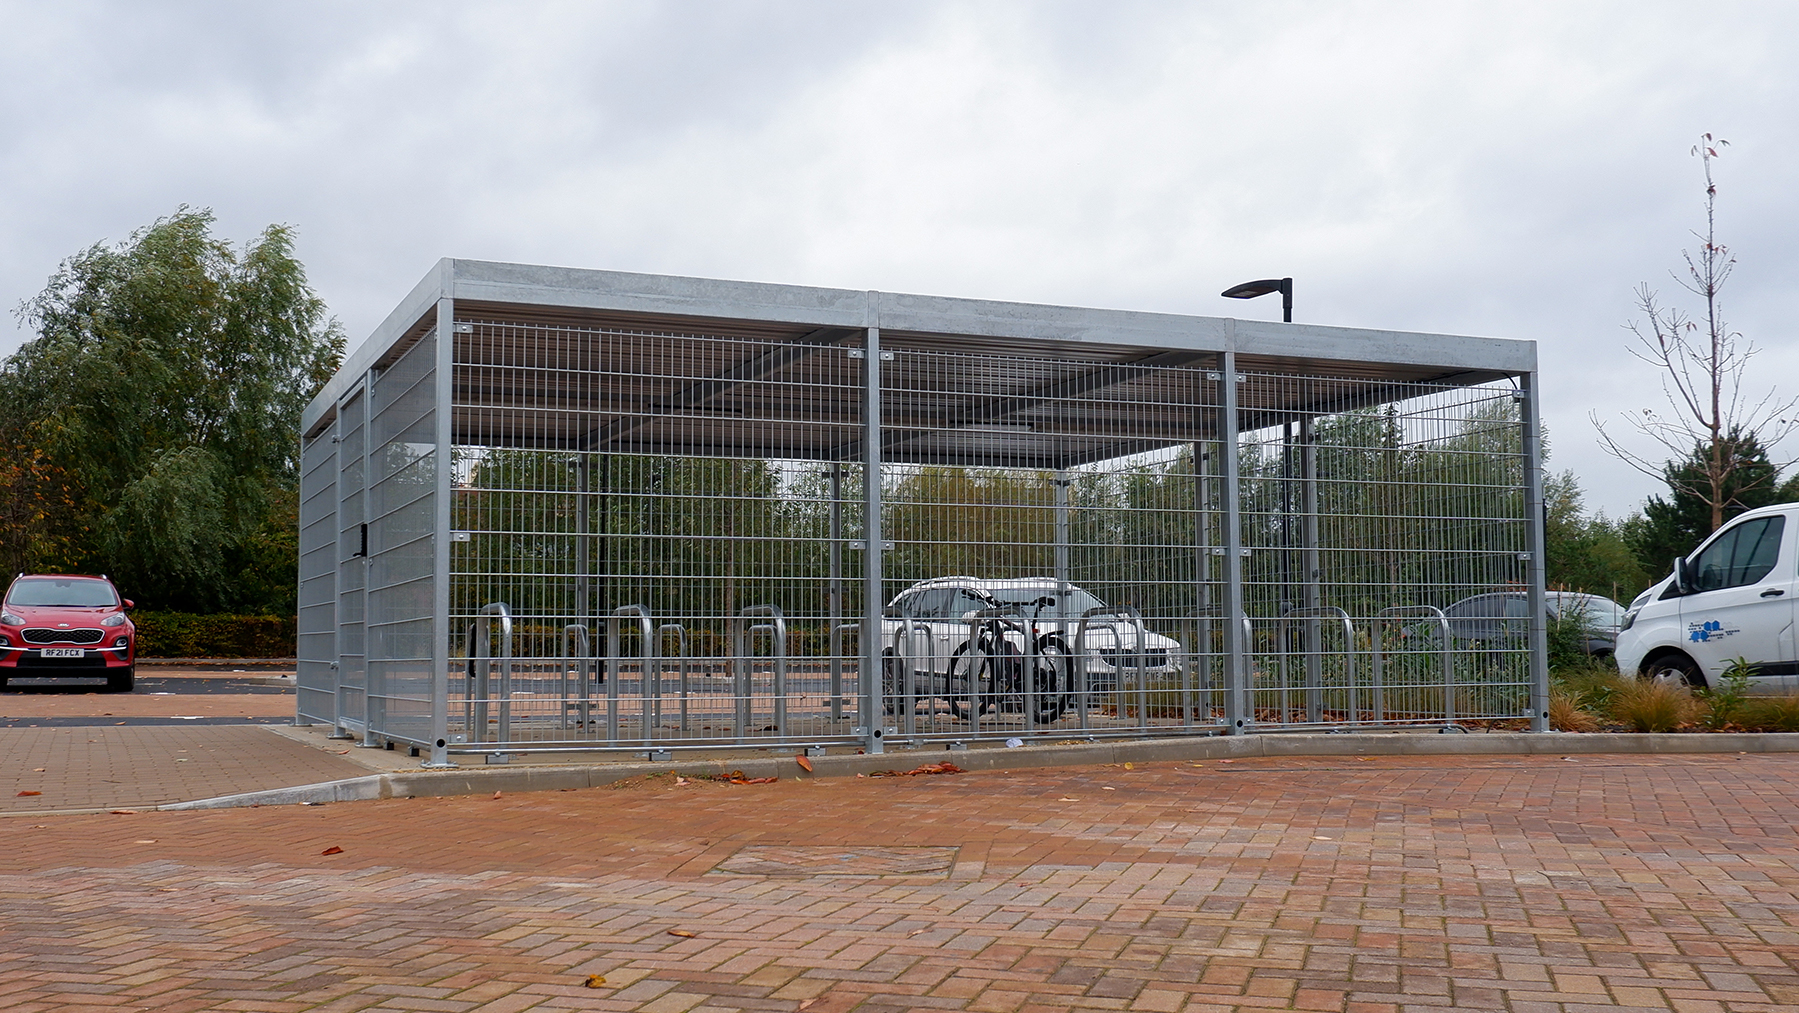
(1500, 618)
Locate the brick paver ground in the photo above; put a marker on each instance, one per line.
(144, 704)
(110, 766)
(1527, 884)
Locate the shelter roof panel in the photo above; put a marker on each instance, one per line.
(570, 326)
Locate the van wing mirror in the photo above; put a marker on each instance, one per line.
(1683, 575)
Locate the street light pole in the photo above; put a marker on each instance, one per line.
(1251, 289)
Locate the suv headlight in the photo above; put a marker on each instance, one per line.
(116, 619)
(1630, 619)
(11, 620)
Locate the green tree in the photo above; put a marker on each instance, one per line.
(1586, 553)
(153, 419)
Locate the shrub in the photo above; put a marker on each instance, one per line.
(185, 635)
(1771, 714)
(1569, 631)
(1653, 706)
(1724, 702)
(1567, 715)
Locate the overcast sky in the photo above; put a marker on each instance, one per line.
(1503, 169)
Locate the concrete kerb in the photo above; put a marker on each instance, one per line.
(483, 780)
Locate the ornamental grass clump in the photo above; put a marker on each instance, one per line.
(1567, 714)
(1654, 705)
(1771, 714)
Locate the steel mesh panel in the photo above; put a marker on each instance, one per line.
(316, 640)
(667, 496)
(402, 482)
(1112, 541)
(352, 566)
(1418, 504)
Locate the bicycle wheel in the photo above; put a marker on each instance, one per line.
(890, 681)
(1052, 681)
(971, 679)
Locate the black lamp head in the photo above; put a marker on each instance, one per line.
(1251, 289)
(1267, 286)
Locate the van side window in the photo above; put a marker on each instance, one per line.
(1742, 556)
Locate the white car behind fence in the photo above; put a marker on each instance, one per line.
(1026, 646)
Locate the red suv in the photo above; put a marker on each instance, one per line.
(67, 626)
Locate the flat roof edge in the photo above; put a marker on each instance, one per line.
(680, 296)
(420, 301)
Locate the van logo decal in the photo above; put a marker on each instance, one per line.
(1709, 630)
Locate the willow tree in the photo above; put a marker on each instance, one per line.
(154, 416)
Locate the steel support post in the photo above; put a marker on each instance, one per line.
(440, 564)
(834, 606)
(338, 731)
(1312, 596)
(869, 669)
(583, 603)
(1532, 430)
(369, 738)
(1202, 552)
(1062, 480)
(1237, 714)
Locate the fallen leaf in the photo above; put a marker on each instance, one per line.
(1068, 800)
(150, 841)
(1317, 838)
(679, 780)
(805, 764)
(333, 850)
(945, 767)
(683, 933)
(25, 793)
(1107, 788)
(596, 981)
(803, 1005)
(40, 769)
(496, 794)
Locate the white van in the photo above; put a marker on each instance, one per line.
(1736, 596)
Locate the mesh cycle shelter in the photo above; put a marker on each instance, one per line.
(551, 509)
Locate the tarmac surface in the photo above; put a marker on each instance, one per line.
(1354, 884)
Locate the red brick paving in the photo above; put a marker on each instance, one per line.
(1377, 886)
(145, 704)
(111, 766)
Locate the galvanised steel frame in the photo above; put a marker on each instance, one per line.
(547, 509)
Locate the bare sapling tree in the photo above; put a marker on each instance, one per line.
(1714, 421)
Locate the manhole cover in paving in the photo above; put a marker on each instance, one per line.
(814, 860)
